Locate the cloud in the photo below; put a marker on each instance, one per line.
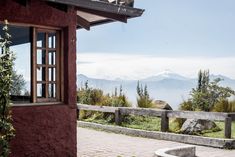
(128, 66)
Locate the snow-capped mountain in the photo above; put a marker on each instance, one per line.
(167, 74)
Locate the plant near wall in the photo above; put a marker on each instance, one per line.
(6, 69)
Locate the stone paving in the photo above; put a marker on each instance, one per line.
(92, 143)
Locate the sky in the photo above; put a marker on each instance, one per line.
(186, 35)
(198, 33)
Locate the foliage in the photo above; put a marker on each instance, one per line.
(18, 84)
(186, 106)
(142, 122)
(224, 106)
(119, 100)
(207, 93)
(220, 134)
(143, 99)
(91, 96)
(6, 71)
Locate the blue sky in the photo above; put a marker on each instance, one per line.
(199, 32)
(169, 28)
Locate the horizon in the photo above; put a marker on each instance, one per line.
(135, 67)
(120, 79)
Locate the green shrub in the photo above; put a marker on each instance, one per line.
(6, 71)
(143, 99)
(92, 96)
(207, 94)
(175, 124)
(186, 106)
(224, 106)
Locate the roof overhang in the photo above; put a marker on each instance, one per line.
(95, 12)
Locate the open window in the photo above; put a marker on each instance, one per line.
(37, 69)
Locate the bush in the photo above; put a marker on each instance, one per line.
(92, 96)
(6, 70)
(207, 94)
(186, 106)
(224, 106)
(176, 124)
(143, 99)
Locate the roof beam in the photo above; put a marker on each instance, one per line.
(83, 23)
(98, 23)
(112, 16)
(102, 6)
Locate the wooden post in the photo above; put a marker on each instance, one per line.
(118, 118)
(164, 122)
(227, 127)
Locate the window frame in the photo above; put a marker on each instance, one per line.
(58, 66)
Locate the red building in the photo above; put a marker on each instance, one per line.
(44, 40)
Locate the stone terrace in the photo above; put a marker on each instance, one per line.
(92, 143)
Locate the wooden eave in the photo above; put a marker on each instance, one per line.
(102, 12)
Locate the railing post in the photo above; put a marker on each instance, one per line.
(164, 122)
(118, 117)
(227, 127)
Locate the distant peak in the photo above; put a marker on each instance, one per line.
(166, 72)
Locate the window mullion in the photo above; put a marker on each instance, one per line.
(47, 69)
(33, 66)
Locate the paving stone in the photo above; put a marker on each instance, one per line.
(93, 143)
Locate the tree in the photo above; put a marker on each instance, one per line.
(6, 72)
(18, 84)
(143, 99)
(208, 93)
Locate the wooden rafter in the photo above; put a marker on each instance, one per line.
(102, 6)
(83, 23)
(112, 16)
(96, 23)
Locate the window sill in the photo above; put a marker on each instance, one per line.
(36, 104)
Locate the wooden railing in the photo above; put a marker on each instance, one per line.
(164, 115)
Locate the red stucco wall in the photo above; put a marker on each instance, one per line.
(43, 131)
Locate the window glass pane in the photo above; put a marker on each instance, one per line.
(52, 40)
(52, 90)
(41, 90)
(52, 74)
(41, 74)
(21, 46)
(52, 57)
(41, 40)
(41, 57)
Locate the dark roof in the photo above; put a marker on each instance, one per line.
(95, 12)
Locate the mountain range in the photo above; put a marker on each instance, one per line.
(168, 86)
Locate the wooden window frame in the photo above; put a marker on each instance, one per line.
(58, 66)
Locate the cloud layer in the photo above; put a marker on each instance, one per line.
(131, 66)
